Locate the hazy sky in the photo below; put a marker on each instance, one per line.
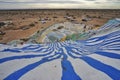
(79, 4)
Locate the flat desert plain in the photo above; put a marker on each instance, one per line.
(21, 24)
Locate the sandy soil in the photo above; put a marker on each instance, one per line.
(26, 22)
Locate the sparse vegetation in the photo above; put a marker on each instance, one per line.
(2, 24)
(23, 20)
(25, 39)
(60, 27)
(2, 33)
(31, 24)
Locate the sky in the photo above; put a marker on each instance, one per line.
(60, 4)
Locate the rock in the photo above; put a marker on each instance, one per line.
(84, 20)
(60, 27)
(2, 33)
(2, 24)
(31, 25)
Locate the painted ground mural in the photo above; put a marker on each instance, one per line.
(95, 58)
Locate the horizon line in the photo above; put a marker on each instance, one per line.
(61, 8)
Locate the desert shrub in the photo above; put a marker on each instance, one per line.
(2, 33)
(36, 22)
(23, 18)
(31, 24)
(84, 20)
(24, 27)
(60, 27)
(25, 39)
(2, 24)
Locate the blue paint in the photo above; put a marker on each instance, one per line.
(46, 49)
(16, 75)
(68, 72)
(61, 52)
(2, 60)
(31, 47)
(18, 57)
(111, 46)
(69, 50)
(11, 50)
(109, 70)
(109, 42)
(113, 38)
(108, 54)
(116, 49)
(98, 38)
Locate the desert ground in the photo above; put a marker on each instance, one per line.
(21, 24)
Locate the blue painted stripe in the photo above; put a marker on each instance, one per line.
(68, 72)
(117, 49)
(11, 50)
(16, 75)
(18, 57)
(70, 53)
(109, 42)
(31, 47)
(46, 49)
(23, 57)
(109, 70)
(111, 45)
(108, 54)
